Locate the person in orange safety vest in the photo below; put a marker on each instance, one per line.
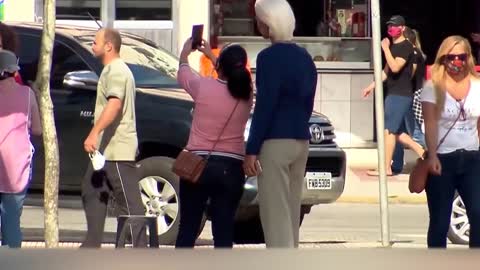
(207, 68)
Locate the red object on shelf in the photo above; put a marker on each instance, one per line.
(251, 7)
(429, 68)
(358, 24)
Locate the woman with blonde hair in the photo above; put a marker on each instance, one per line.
(418, 80)
(277, 147)
(451, 111)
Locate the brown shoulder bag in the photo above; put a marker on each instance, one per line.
(189, 166)
(419, 175)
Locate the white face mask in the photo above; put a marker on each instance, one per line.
(98, 160)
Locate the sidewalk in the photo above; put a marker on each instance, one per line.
(361, 188)
(323, 245)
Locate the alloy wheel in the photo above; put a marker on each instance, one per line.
(160, 200)
(459, 223)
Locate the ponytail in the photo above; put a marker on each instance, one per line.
(232, 63)
(239, 83)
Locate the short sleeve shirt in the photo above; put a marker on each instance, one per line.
(464, 134)
(118, 141)
(400, 83)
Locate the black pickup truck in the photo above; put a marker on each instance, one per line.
(164, 114)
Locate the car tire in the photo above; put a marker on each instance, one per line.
(250, 231)
(159, 188)
(459, 230)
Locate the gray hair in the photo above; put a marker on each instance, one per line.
(278, 16)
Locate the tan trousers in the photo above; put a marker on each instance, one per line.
(280, 188)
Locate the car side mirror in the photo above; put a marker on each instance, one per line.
(83, 79)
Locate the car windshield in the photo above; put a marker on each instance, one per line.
(151, 67)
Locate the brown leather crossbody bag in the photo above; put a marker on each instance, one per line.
(419, 175)
(189, 166)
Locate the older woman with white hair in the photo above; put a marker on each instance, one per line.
(277, 147)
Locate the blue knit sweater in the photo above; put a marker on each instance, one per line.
(286, 81)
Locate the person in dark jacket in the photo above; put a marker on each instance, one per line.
(277, 148)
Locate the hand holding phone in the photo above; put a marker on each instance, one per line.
(197, 33)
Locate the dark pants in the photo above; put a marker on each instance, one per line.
(222, 184)
(461, 172)
(11, 206)
(121, 180)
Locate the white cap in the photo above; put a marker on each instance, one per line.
(8, 62)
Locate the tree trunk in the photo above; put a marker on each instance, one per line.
(50, 143)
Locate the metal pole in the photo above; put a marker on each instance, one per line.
(108, 13)
(377, 65)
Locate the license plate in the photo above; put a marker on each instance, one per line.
(319, 181)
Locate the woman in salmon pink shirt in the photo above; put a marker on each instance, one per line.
(222, 109)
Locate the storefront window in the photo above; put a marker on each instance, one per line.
(346, 18)
(336, 33)
(125, 9)
(327, 18)
(327, 52)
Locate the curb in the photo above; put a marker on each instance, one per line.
(412, 199)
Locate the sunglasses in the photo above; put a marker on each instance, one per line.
(453, 57)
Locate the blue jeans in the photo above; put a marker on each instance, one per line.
(416, 133)
(11, 206)
(460, 172)
(398, 159)
(222, 184)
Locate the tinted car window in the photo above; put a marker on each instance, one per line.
(64, 61)
(28, 56)
(151, 67)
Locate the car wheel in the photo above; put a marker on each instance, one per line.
(459, 232)
(250, 231)
(159, 188)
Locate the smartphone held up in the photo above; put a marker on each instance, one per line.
(197, 34)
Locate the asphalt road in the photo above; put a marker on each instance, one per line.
(361, 223)
(326, 224)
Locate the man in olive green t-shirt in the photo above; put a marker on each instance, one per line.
(114, 135)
